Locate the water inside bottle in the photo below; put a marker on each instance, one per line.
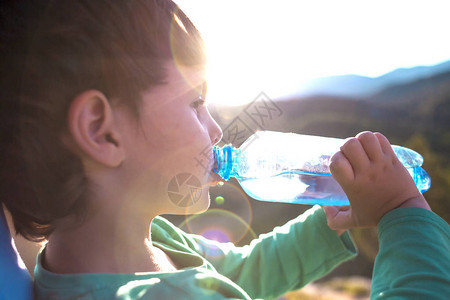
(296, 187)
(308, 188)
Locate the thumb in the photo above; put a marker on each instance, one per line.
(341, 169)
(339, 217)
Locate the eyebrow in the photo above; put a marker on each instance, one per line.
(204, 90)
(201, 89)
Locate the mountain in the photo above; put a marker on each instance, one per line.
(355, 86)
(407, 108)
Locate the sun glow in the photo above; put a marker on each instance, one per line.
(275, 46)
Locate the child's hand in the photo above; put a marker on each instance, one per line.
(374, 180)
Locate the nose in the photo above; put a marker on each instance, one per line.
(215, 132)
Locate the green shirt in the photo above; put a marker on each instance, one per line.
(414, 257)
(286, 259)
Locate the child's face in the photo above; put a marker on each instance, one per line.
(175, 132)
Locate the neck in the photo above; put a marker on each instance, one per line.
(105, 243)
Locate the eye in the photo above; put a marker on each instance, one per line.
(198, 102)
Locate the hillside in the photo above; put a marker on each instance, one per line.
(356, 86)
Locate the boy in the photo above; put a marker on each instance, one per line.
(104, 105)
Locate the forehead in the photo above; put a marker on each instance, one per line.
(180, 84)
(182, 79)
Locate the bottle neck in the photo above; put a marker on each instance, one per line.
(225, 159)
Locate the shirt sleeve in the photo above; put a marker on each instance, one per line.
(285, 259)
(414, 257)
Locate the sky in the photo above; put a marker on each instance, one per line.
(275, 46)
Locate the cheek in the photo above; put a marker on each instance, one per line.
(179, 142)
(174, 125)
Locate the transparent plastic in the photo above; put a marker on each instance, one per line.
(294, 168)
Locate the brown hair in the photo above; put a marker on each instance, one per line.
(50, 52)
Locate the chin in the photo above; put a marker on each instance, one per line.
(200, 206)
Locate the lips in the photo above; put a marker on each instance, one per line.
(215, 179)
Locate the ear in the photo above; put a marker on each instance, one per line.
(93, 130)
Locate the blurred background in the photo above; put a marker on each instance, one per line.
(328, 68)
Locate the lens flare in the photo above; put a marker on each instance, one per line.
(187, 50)
(219, 225)
(220, 200)
(217, 234)
(236, 200)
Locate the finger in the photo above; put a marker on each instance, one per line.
(339, 217)
(356, 155)
(332, 211)
(385, 144)
(341, 169)
(371, 145)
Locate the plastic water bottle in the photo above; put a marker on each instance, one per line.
(294, 168)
